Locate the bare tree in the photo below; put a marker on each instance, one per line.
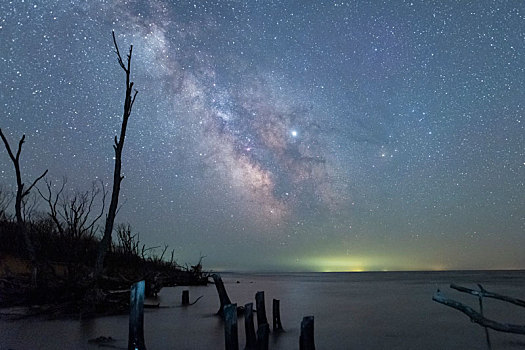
(72, 213)
(6, 197)
(52, 202)
(29, 207)
(128, 243)
(21, 193)
(105, 243)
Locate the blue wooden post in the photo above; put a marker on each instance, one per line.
(230, 327)
(136, 317)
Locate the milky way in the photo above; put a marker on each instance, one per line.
(281, 134)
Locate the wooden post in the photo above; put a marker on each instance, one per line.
(306, 340)
(251, 341)
(223, 295)
(263, 334)
(136, 317)
(276, 315)
(185, 297)
(261, 310)
(230, 327)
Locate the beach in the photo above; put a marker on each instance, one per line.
(367, 310)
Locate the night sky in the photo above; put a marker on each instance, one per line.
(283, 135)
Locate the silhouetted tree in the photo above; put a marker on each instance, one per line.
(21, 193)
(72, 213)
(6, 197)
(105, 243)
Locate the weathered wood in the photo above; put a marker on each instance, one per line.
(306, 339)
(251, 341)
(477, 317)
(261, 309)
(230, 327)
(223, 295)
(276, 316)
(185, 297)
(136, 317)
(263, 336)
(484, 293)
(105, 242)
(487, 335)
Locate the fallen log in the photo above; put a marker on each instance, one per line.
(477, 317)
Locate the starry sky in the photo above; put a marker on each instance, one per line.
(283, 135)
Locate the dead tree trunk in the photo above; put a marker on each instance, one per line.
(251, 340)
(276, 316)
(263, 335)
(230, 327)
(185, 297)
(306, 340)
(261, 309)
(20, 194)
(105, 243)
(223, 295)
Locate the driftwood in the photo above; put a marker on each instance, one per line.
(486, 294)
(477, 317)
(223, 295)
(186, 298)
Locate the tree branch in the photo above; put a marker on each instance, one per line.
(477, 317)
(119, 58)
(33, 184)
(6, 143)
(20, 143)
(484, 293)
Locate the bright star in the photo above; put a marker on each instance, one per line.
(294, 133)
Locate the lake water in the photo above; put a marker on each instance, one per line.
(376, 310)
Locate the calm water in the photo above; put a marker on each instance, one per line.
(391, 310)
